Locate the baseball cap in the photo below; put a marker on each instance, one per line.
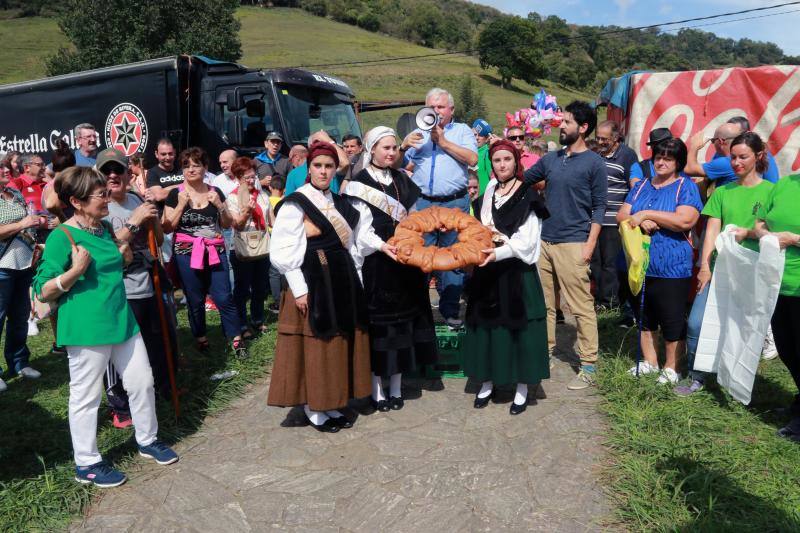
(110, 155)
(274, 136)
(481, 127)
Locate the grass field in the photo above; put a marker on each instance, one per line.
(37, 489)
(703, 463)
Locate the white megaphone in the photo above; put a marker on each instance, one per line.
(427, 119)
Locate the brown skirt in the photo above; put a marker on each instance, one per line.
(324, 374)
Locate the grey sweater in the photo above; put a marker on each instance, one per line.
(575, 192)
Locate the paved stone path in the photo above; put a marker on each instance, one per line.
(436, 465)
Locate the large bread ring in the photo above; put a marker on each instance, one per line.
(473, 238)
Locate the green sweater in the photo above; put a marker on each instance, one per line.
(484, 167)
(95, 310)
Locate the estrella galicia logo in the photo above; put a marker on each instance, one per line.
(126, 129)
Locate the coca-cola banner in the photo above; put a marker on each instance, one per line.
(686, 102)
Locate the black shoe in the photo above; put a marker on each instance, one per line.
(480, 403)
(382, 406)
(560, 317)
(328, 427)
(517, 409)
(58, 350)
(342, 422)
(396, 403)
(791, 431)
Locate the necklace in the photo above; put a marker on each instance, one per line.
(396, 191)
(96, 231)
(503, 184)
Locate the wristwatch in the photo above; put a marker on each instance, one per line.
(133, 228)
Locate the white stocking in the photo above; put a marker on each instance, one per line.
(395, 389)
(316, 417)
(521, 397)
(486, 389)
(334, 414)
(377, 389)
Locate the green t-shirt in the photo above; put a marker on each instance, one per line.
(95, 310)
(738, 205)
(484, 167)
(780, 212)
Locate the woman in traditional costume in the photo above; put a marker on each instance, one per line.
(401, 331)
(322, 353)
(506, 339)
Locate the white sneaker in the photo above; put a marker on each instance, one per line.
(668, 376)
(769, 351)
(33, 329)
(644, 368)
(30, 373)
(3, 386)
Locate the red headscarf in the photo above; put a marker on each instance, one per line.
(319, 148)
(503, 144)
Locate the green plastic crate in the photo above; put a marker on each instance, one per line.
(449, 364)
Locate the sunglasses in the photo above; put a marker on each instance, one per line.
(104, 195)
(516, 137)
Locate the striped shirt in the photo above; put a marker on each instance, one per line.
(618, 168)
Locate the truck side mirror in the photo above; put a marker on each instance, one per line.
(233, 103)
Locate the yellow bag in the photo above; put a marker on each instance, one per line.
(637, 254)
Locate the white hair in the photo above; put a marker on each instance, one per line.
(436, 93)
(84, 126)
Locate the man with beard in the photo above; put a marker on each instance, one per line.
(619, 159)
(576, 185)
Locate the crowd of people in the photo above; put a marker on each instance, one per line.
(310, 228)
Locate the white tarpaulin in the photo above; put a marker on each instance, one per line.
(741, 299)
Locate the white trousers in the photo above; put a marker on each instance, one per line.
(87, 364)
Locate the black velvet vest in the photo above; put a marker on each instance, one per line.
(336, 304)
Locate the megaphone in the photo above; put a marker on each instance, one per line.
(427, 119)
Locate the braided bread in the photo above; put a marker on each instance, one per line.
(473, 237)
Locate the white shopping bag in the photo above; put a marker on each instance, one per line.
(741, 300)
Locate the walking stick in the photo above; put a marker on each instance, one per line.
(162, 314)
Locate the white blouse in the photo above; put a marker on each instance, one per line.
(525, 243)
(287, 246)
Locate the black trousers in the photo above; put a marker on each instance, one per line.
(785, 321)
(604, 266)
(146, 312)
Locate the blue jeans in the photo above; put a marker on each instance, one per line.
(450, 283)
(214, 281)
(693, 331)
(15, 308)
(275, 284)
(250, 280)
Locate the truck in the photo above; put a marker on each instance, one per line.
(690, 101)
(192, 100)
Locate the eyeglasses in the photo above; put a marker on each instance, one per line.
(602, 139)
(516, 137)
(722, 139)
(105, 195)
(119, 170)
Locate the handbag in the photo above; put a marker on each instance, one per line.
(44, 309)
(251, 245)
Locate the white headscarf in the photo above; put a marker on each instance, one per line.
(371, 139)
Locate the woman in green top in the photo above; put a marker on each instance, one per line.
(778, 215)
(734, 203)
(81, 268)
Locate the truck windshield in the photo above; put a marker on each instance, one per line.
(307, 110)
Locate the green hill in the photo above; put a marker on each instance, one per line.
(281, 37)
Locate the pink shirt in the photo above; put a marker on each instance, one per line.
(528, 159)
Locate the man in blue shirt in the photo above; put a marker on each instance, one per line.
(440, 159)
(719, 169)
(86, 139)
(576, 186)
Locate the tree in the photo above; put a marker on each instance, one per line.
(469, 104)
(123, 31)
(514, 46)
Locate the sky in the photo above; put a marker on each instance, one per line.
(780, 29)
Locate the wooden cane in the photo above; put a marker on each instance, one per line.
(162, 314)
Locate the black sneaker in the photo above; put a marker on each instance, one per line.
(58, 350)
(454, 324)
(273, 308)
(239, 349)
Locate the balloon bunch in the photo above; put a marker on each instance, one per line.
(543, 115)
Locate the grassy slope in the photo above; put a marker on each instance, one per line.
(26, 42)
(290, 37)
